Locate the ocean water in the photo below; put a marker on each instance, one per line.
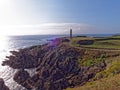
(9, 43)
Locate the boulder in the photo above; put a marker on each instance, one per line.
(21, 78)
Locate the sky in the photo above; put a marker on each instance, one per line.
(24, 17)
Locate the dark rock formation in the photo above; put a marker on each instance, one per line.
(21, 77)
(2, 85)
(56, 66)
(25, 58)
(65, 40)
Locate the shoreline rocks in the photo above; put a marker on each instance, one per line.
(56, 66)
(2, 85)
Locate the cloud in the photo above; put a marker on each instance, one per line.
(50, 28)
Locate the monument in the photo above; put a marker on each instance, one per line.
(70, 33)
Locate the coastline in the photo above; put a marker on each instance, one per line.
(56, 62)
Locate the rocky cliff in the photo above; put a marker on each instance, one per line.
(2, 85)
(56, 65)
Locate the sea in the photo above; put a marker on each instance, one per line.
(10, 43)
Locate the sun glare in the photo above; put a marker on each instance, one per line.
(5, 17)
(4, 4)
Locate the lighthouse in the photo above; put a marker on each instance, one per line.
(70, 33)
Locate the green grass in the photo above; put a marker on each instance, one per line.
(76, 39)
(109, 44)
(116, 36)
(109, 79)
(90, 61)
(105, 43)
(113, 70)
(112, 83)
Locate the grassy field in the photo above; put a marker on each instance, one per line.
(112, 83)
(108, 79)
(105, 43)
(108, 44)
